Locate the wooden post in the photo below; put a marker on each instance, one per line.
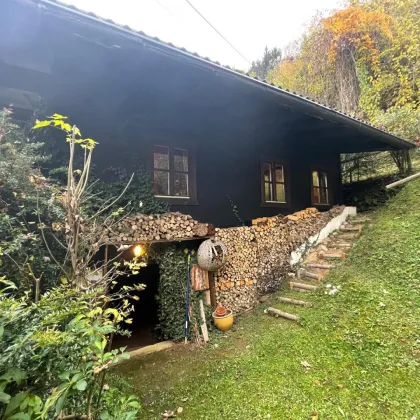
(212, 290)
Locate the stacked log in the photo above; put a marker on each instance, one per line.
(235, 283)
(259, 255)
(157, 227)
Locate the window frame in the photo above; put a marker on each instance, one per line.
(326, 171)
(191, 173)
(286, 182)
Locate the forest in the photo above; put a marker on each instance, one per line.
(363, 60)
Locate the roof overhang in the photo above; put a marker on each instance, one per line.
(288, 99)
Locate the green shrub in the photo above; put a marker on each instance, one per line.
(54, 356)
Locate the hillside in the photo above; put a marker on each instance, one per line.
(355, 355)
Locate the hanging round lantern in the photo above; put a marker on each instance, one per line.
(212, 255)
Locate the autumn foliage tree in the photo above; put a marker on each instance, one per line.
(363, 60)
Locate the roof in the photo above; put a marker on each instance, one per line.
(311, 106)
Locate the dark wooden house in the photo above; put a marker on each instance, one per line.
(209, 135)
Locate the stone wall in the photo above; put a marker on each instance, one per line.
(259, 255)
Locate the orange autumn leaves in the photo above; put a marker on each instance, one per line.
(360, 30)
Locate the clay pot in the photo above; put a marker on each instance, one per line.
(220, 311)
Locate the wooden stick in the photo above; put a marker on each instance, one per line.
(203, 326)
(403, 181)
(294, 301)
(276, 312)
(302, 286)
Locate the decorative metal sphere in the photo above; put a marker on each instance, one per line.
(212, 255)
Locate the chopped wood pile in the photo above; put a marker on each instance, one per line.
(157, 227)
(259, 255)
(236, 282)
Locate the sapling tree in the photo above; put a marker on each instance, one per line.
(83, 231)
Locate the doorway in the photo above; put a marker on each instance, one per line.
(144, 329)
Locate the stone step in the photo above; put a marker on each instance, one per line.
(302, 286)
(277, 313)
(332, 255)
(295, 301)
(321, 266)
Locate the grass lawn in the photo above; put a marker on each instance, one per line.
(362, 344)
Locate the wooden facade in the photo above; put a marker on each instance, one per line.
(230, 140)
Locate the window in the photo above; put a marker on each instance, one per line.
(273, 183)
(319, 187)
(171, 172)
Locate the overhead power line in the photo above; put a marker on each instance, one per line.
(219, 33)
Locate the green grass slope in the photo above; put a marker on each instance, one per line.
(355, 355)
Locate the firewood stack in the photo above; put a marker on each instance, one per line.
(275, 244)
(236, 282)
(259, 256)
(157, 227)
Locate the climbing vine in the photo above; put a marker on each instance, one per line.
(138, 197)
(171, 297)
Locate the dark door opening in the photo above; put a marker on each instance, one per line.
(145, 315)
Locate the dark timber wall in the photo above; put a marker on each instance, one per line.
(129, 96)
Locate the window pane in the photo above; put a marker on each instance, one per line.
(323, 180)
(268, 191)
(161, 183)
(315, 179)
(181, 160)
(280, 193)
(323, 195)
(315, 195)
(161, 157)
(279, 173)
(181, 184)
(267, 172)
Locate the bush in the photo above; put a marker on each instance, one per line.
(54, 356)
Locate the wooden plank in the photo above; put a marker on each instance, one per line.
(294, 301)
(203, 325)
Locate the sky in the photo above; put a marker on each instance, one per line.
(248, 25)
